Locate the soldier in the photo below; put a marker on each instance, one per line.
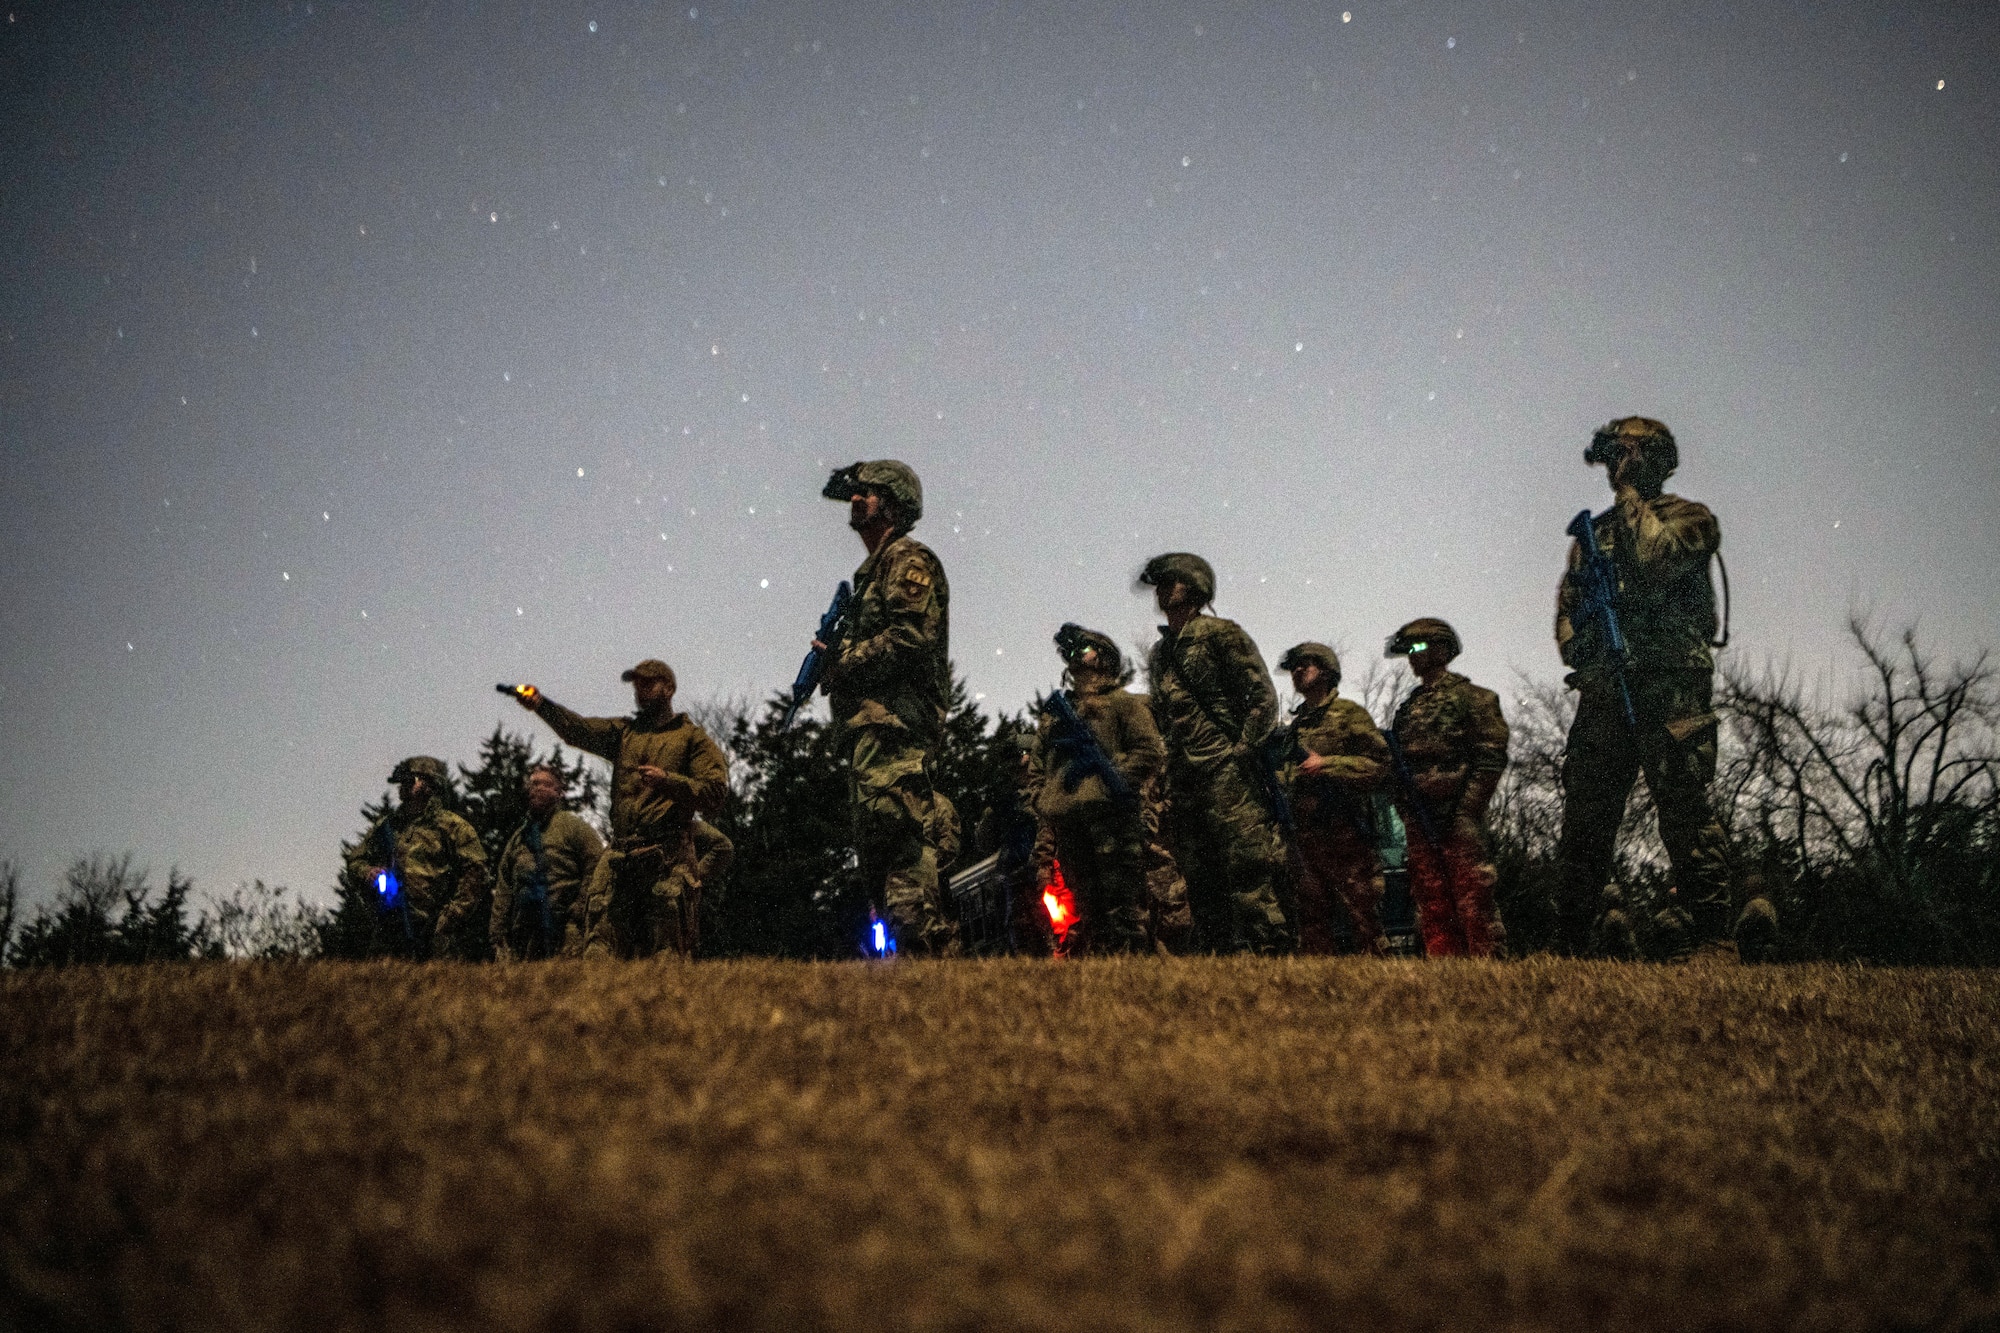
(1213, 703)
(1336, 758)
(1100, 838)
(421, 864)
(665, 770)
(1010, 829)
(1168, 921)
(889, 681)
(543, 870)
(1659, 546)
(1454, 746)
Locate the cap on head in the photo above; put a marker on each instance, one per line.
(1183, 567)
(651, 669)
(1426, 634)
(1656, 442)
(1314, 654)
(420, 766)
(1073, 641)
(896, 482)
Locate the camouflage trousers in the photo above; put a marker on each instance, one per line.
(1674, 746)
(1102, 850)
(896, 829)
(1452, 884)
(1339, 889)
(1229, 848)
(642, 899)
(1168, 919)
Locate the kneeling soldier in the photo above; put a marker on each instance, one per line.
(543, 870)
(1336, 757)
(1453, 743)
(1090, 797)
(421, 865)
(664, 771)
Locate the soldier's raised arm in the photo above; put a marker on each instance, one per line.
(593, 735)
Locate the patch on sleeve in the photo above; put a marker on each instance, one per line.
(912, 584)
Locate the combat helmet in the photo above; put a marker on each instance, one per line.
(1423, 635)
(1190, 569)
(1656, 442)
(1073, 641)
(897, 481)
(1317, 654)
(421, 766)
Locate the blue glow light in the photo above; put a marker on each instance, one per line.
(388, 887)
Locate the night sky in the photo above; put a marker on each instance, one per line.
(353, 360)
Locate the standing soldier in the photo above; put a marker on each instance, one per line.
(889, 680)
(1336, 758)
(543, 869)
(664, 771)
(420, 864)
(1451, 741)
(1090, 797)
(1659, 547)
(1213, 702)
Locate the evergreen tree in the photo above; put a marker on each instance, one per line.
(794, 877)
(107, 912)
(493, 796)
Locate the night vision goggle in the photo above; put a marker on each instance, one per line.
(845, 483)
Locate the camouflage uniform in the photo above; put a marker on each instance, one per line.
(569, 853)
(440, 862)
(1100, 841)
(1455, 742)
(1169, 922)
(1660, 548)
(1224, 835)
(1333, 812)
(714, 854)
(642, 895)
(889, 682)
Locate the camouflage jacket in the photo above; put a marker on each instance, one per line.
(714, 854)
(697, 774)
(437, 856)
(570, 849)
(1341, 732)
(892, 664)
(1124, 728)
(1666, 605)
(1225, 676)
(1455, 741)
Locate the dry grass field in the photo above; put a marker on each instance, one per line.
(1194, 1144)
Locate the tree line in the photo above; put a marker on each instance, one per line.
(1870, 817)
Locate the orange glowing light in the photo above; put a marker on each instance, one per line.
(1060, 904)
